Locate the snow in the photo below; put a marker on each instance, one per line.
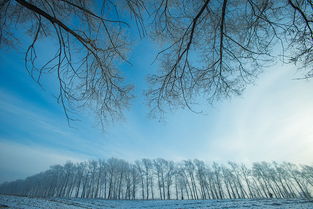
(18, 202)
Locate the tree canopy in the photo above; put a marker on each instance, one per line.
(214, 48)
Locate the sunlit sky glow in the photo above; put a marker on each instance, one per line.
(272, 120)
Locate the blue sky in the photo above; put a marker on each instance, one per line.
(270, 121)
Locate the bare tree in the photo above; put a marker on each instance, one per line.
(118, 179)
(89, 45)
(215, 48)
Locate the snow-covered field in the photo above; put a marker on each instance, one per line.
(36, 203)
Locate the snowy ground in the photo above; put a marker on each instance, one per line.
(37, 203)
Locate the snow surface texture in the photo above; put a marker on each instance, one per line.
(55, 203)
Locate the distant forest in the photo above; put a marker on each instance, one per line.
(163, 179)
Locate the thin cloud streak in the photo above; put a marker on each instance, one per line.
(20, 160)
(47, 129)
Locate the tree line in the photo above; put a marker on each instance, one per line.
(163, 179)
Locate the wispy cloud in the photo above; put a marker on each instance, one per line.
(18, 160)
(27, 125)
(271, 122)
